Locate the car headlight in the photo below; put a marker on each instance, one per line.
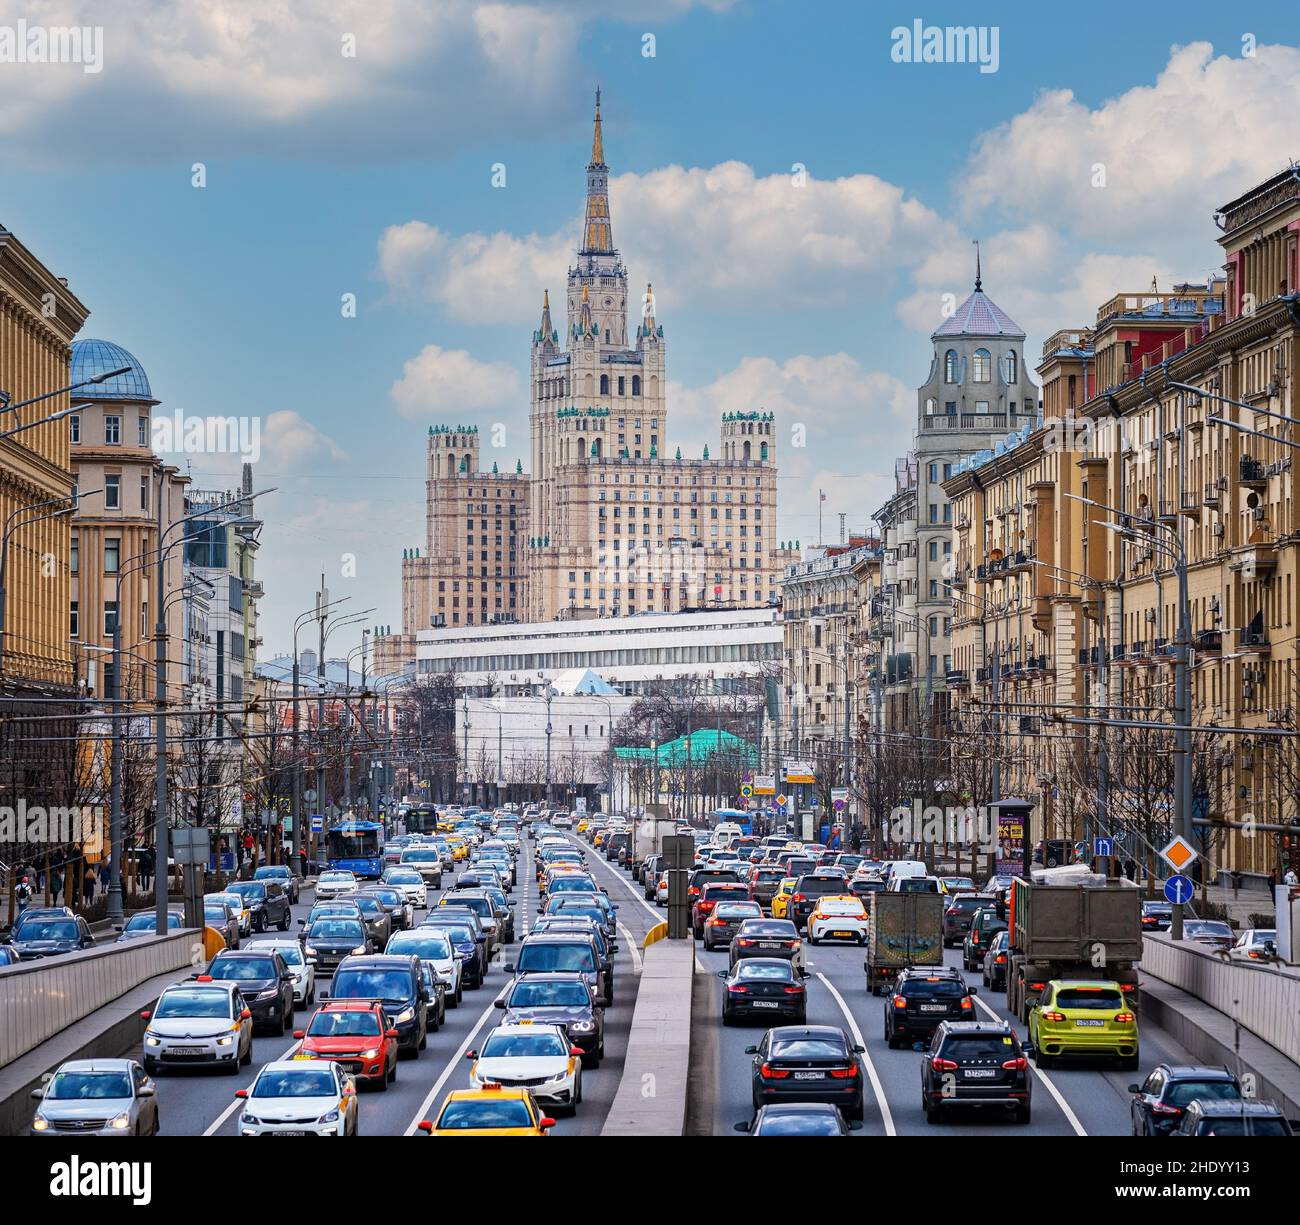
(150, 1040)
(226, 1041)
(332, 1117)
(250, 1120)
(370, 1054)
(407, 1014)
(269, 994)
(40, 1123)
(582, 1027)
(121, 1122)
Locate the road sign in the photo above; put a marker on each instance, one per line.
(1179, 854)
(1103, 848)
(799, 772)
(746, 790)
(839, 805)
(317, 823)
(1178, 889)
(812, 802)
(782, 801)
(191, 844)
(764, 784)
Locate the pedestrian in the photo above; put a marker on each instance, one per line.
(88, 886)
(1130, 867)
(104, 876)
(23, 893)
(302, 858)
(56, 884)
(146, 869)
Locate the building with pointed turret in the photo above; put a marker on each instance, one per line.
(610, 520)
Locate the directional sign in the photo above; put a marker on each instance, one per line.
(799, 772)
(1103, 848)
(317, 824)
(764, 784)
(1179, 854)
(1178, 889)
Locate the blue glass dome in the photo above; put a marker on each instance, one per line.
(92, 357)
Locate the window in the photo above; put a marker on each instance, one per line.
(981, 406)
(112, 554)
(112, 492)
(143, 423)
(74, 428)
(1011, 365)
(950, 366)
(144, 492)
(74, 619)
(980, 367)
(636, 384)
(604, 384)
(110, 618)
(934, 473)
(113, 431)
(74, 557)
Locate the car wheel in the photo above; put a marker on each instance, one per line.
(932, 1113)
(813, 939)
(381, 1085)
(259, 924)
(460, 993)
(452, 1002)
(424, 1040)
(284, 922)
(232, 1068)
(248, 1055)
(1022, 1114)
(577, 1090)
(286, 1017)
(727, 1018)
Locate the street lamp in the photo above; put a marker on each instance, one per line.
(8, 406)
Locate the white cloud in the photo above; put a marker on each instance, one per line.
(441, 380)
(1207, 129)
(290, 442)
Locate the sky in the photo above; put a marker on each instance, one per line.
(224, 179)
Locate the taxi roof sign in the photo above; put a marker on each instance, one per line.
(1179, 853)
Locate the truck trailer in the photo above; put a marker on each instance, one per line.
(904, 929)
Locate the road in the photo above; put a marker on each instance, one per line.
(200, 1103)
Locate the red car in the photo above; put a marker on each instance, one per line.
(355, 1034)
(710, 896)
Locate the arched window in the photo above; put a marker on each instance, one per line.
(1011, 365)
(636, 384)
(950, 366)
(929, 406)
(604, 384)
(596, 449)
(747, 449)
(762, 453)
(582, 449)
(980, 366)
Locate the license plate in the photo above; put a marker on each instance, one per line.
(841, 935)
(187, 1050)
(810, 1076)
(766, 1004)
(1089, 1023)
(289, 1133)
(764, 945)
(977, 1073)
(934, 1007)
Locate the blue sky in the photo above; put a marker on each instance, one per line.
(371, 175)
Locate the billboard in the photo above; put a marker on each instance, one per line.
(798, 772)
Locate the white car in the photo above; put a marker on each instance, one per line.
(1253, 942)
(539, 1058)
(410, 883)
(236, 903)
(297, 1098)
(330, 885)
(198, 1023)
(432, 946)
(303, 971)
(838, 918)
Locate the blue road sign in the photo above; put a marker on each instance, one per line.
(812, 803)
(1103, 848)
(1178, 889)
(317, 823)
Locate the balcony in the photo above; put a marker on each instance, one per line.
(1208, 641)
(957, 679)
(1253, 641)
(1212, 492)
(1252, 473)
(985, 422)
(1258, 561)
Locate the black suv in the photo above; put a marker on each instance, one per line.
(265, 982)
(267, 899)
(957, 915)
(1239, 1118)
(48, 932)
(924, 996)
(1161, 1100)
(558, 999)
(984, 925)
(975, 1063)
(809, 888)
(398, 983)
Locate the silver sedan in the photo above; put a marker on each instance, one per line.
(97, 1097)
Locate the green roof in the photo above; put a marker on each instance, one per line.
(707, 742)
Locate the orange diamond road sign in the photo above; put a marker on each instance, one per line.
(1179, 853)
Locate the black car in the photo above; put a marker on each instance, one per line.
(1161, 1100)
(328, 941)
(47, 933)
(437, 991)
(725, 921)
(1239, 1118)
(996, 957)
(374, 914)
(765, 938)
(283, 874)
(984, 925)
(799, 1119)
(862, 888)
(398, 982)
(268, 901)
(587, 926)
(615, 846)
(807, 1063)
(808, 889)
(922, 997)
(763, 987)
(393, 903)
(566, 953)
(594, 906)
(957, 916)
(470, 945)
(483, 906)
(559, 999)
(1156, 916)
(265, 982)
(975, 1063)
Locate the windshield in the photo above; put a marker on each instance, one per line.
(979, 1046)
(336, 929)
(147, 922)
(404, 878)
(425, 947)
(271, 873)
(572, 884)
(392, 986)
(193, 1003)
(479, 905)
(475, 1115)
(421, 855)
(290, 954)
(802, 1124)
(298, 1082)
(249, 889)
(1249, 1126)
(782, 972)
(242, 969)
(87, 1086)
(737, 910)
(807, 1048)
(524, 1046)
(343, 1025)
(1183, 1092)
(351, 843)
(549, 995)
(566, 958)
(211, 914)
(1095, 999)
(46, 929)
(942, 988)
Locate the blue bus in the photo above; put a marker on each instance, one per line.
(357, 847)
(736, 816)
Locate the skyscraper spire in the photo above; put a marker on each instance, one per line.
(597, 143)
(546, 328)
(598, 238)
(976, 241)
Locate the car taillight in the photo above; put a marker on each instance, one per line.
(795, 989)
(798, 897)
(1125, 1018)
(1000, 959)
(768, 1072)
(966, 1003)
(717, 922)
(1161, 1108)
(1037, 986)
(1128, 986)
(974, 936)
(738, 988)
(900, 1001)
(1016, 1065)
(942, 1065)
(790, 944)
(1053, 1016)
(744, 944)
(845, 1073)
(694, 890)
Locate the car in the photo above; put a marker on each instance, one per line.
(491, 1111)
(427, 861)
(243, 911)
(764, 880)
(762, 987)
(711, 893)
(96, 1097)
(975, 1064)
(809, 888)
(767, 938)
(807, 1063)
(993, 968)
(374, 914)
(436, 993)
(342, 908)
(397, 984)
(560, 999)
(505, 912)
(586, 926)
(1233, 1118)
(219, 917)
(648, 873)
(540, 1058)
(401, 914)
(264, 981)
(781, 898)
(984, 925)
(468, 938)
(332, 938)
(863, 887)
(199, 1023)
(268, 902)
(301, 970)
(957, 915)
(1159, 1102)
(798, 1119)
(1257, 944)
(35, 934)
(335, 882)
(433, 946)
(8, 956)
(958, 884)
(296, 1098)
(595, 906)
(1054, 852)
(146, 924)
(838, 917)
(480, 904)
(1157, 916)
(1216, 934)
(565, 952)
(922, 997)
(409, 882)
(1088, 1018)
(356, 1035)
(284, 875)
(916, 884)
(725, 920)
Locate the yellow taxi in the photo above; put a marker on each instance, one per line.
(781, 898)
(493, 1110)
(459, 847)
(581, 827)
(600, 837)
(446, 824)
(1087, 1018)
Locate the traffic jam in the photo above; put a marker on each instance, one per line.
(476, 980)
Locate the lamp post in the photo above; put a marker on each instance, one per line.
(549, 696)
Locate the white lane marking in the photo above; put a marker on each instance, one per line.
(452, 1064)
(876, 1087)
(1051, 1088)
(631, 948)
(239, 1102)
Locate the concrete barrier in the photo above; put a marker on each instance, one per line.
(1264, 998)
(38, 999)
(651, 1097)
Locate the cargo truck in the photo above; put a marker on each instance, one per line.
(905, 929)
(1071, 923)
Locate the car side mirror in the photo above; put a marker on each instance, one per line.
(146, 1091)
(117, 927)
(241, 1094)
(299, 1033)
(745, 1127)
(751, 1050)
(324, 997)
(145, 1015)
(498, 1003)
(575, 1051)
(1135, 1088)
(546, 1122)
(973, 990)
(471, 1054)
(1027, 1049)
(855, 1125)
(37, 1094)
(858, 1049)
(509, 967)
(722, 974)
(425, 1125)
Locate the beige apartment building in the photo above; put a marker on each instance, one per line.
(1069, 610)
